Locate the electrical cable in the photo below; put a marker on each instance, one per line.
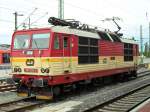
(28, 17)
(39, 18)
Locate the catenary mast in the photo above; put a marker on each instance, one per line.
(61, 9)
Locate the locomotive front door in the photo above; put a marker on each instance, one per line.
(67, 53)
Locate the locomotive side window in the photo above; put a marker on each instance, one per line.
(21, 41)
(128, 52)
(93, 48)
(65, 42)
(88, 50)
(56, 42)
(83, 41)
(40, 41)
(83, 50)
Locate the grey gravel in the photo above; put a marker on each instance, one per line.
(8, 96)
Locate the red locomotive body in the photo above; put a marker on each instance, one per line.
(47, 59)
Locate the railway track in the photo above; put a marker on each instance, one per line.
(125, 103)
(104, 96)
(20, 105)
(143, 73)
(5, 87)
(85, 100)
(31, 102)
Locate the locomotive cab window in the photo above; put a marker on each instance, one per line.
(21, 41)
(40, 41)
(56, 42)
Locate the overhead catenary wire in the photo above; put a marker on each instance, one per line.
(28, 17)
(13, 10)
(84, 9)
(3, 20)
(10, 9)
(37, 5)
(90, 11)
(87, 10)
(75, 6)
(39, 18)
(99, 15)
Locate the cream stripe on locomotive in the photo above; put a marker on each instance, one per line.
(59, 65)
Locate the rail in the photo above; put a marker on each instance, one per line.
(126, 102)
(110, 93)
(27, 103)
(20, 105)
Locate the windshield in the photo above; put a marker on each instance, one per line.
(40, 41)
(21, 41)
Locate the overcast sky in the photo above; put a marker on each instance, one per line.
(132, 13)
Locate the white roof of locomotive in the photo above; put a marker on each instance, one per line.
(67, 30)
(125, 40)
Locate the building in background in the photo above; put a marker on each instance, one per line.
(4, 54)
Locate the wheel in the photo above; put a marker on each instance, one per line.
(56, 91)
(134, 74)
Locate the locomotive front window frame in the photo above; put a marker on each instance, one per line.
(21, 42)
(40, 41)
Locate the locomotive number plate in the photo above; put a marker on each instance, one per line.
(31, 70)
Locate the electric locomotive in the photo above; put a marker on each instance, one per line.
(44, 60)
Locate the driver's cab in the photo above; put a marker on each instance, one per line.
(30, 51)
